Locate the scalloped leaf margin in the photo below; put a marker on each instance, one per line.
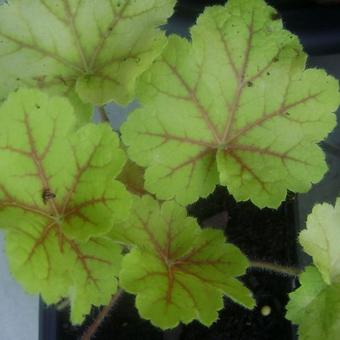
(178, 271)
(234, 107)
(315, 305)
(58, 197)
(76, 46)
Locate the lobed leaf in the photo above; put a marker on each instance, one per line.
(178, 271)
(48, 263)
(88, 48)
(315, 307)
(57, 197)
(235, 106)
(321, 240)
(51, 171)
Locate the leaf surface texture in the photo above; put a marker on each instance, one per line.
(235, 106)
(315, 305)
(58, 196)
(94, 49)
(178, 271)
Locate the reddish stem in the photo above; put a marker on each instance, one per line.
(91, 331)
(277, 268)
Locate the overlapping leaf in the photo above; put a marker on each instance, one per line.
(321, 240)
(235, 106)
(57, 189)
(41, 156)
(48, 263)
(96, 48)
(315, 306)
(178, 271)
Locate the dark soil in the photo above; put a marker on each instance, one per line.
(266, 235)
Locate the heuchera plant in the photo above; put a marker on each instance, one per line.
(233, 106)
(315, 306)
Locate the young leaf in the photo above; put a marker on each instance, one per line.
(235, 106)
(97, 48)
(47, 262)
(178, 271)
(315, 307)
(321, 240)
(49, 170)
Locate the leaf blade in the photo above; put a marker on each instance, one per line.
(248, 103)
(86, 273)
(178, 272)
(74, 46)
(321, 240)
(315, 307)
(67, 192)
(58, 196)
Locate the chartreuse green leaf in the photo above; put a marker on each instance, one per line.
(50, 170)
(315, 306)
(94, 48)
(178, 271)
(235, 106)
(57, 197)
(321, 240)
(48, 263)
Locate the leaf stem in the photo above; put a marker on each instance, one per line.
(103, 114)
(277, 268)
(91, 331)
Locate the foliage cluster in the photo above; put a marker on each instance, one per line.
(234, 106)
